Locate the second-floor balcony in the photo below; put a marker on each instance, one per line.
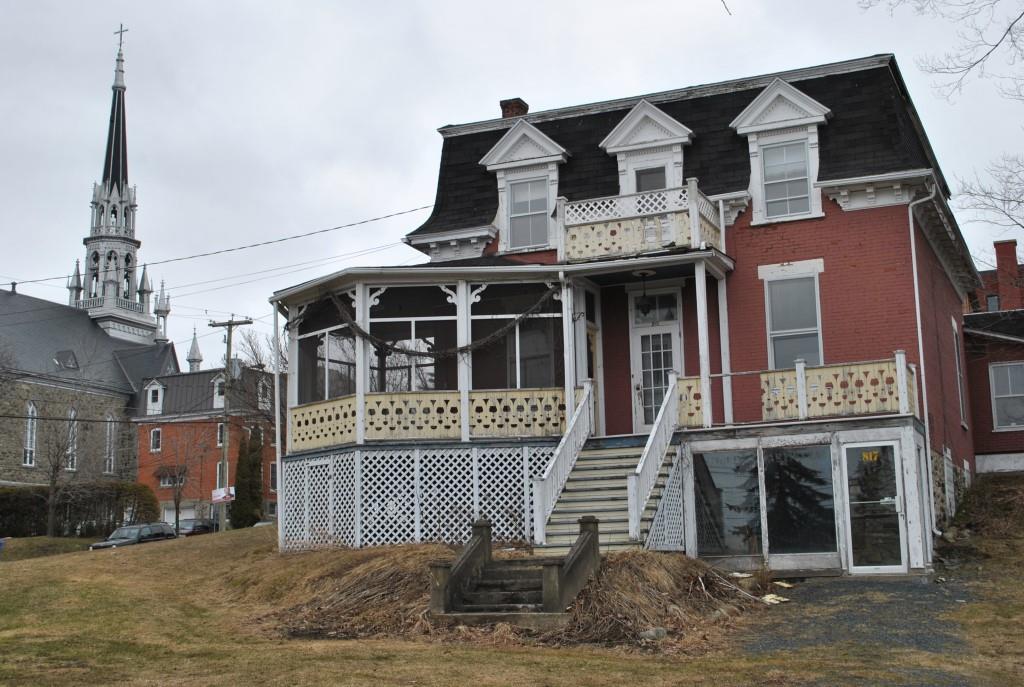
(630, 224)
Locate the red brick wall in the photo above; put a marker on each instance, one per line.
(980, 353)
(199, 439)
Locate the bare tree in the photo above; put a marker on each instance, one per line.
(990, 45)
(181, 461)
(257, 350)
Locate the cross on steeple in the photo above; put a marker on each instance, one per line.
(120, 35)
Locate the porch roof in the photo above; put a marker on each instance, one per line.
(675, 262)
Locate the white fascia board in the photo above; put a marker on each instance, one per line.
(488, 232)
(155, 382)
(746, 121)
(615, 141)
(888, 177)
(497, 157)
(993, 335)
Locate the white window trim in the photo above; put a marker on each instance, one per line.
(218, 399)
(671, 158)
(756, 143)
(28, 456)
(167, 481)
(220, 434)
(109, 456)
(958, 349)
(155, 432)
(506, 177)
(801, 269)
(271, 486)
(71, 460)
(157, 407)
(992, 396)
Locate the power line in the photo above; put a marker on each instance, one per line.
(258, 244)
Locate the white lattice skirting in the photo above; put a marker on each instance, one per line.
(666, 532)
(373, 497)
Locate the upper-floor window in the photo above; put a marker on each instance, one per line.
(28, 457)
(154, 399)
(220, 433)
(786, 182)
(71, 462)
(154, 440)
(992, 303)
(273, 476)
(168, 481)
(1007, 383)
(528, 213)
(650, 179)
(218, 393)
(960, 383)
(794, 331)
(109, 445)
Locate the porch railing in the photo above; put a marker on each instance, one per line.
(642, 480)
(638, 222)
(548, 486)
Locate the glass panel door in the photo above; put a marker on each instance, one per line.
(654, 351)
(875, 504)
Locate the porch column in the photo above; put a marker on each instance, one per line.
(292, 380)
(464, 360)
(703, 343)
(569, 348)
(362, 368)
(723, 338)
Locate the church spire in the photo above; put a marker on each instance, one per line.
(195, 356)
(115, 162)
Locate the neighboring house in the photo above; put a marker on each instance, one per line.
(180, 424)
(995, 363)
(69, 374)
(724, 319)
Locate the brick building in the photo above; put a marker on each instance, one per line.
(724, 319)
(180, 428)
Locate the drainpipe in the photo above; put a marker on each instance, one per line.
(920, 350)
(279, 467)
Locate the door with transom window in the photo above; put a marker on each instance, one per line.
(654, 347)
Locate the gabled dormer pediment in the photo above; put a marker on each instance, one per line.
(523, 144)
(644, 127)
(779, 106)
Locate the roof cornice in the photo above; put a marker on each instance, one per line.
(730, 86)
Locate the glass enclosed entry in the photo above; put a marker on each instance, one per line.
(794, 507)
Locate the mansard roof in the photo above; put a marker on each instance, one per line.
(873, 129)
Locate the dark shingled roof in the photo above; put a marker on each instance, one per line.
(188, 393)
(33, 331)
(871, 131)
(1005, 322)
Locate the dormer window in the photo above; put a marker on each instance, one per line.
(218, 392)
(650, 179)
(154, 399)
(781, 126)
(786, 184)
(525, 162)
(648, 145)
(528, 214)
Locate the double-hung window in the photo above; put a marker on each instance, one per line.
(110, 445)
(786, 179)
(72, 452)
(1007, 383)
(960, 383)
(154, 441)
(794, 330)
(528, 213)
(28, 458)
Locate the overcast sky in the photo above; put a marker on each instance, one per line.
(249, 121)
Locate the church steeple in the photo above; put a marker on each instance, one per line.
(195, 356)
(113, 293)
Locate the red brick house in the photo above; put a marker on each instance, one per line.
(725, 320)
(181, 431)
(995, 363)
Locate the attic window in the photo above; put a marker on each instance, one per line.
(65, 360)
(650, 179)
(786, 186)
(528, 214)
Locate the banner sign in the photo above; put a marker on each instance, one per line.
(223, 495)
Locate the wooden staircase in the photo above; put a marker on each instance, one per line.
(597, 486)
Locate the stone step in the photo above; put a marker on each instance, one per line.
(563, 549)
(492, 597)
(508, 584)
(539, 622)
(512, 572)
(525, 561)
(502, 608)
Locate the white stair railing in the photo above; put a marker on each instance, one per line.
(642, 480)
(548, 487)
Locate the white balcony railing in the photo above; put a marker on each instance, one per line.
(638, 222)
(642, 480)
(548, 487)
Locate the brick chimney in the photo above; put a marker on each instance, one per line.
(513, 107)
(1008, 275)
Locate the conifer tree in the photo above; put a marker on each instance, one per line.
(245, 511)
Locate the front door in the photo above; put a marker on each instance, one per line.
(654, 351)
(876, 540)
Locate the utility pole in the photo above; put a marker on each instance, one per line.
(230, 325)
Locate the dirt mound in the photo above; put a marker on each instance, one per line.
(638, 597)
(994, 506)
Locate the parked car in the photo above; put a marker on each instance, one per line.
(136, 534)
(192, 526)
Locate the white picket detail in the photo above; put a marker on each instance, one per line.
(612, 208)
(548, 487)
(642, 480)
(360, 497)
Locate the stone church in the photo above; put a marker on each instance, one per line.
(70, 374)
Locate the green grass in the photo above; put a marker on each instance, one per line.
(198, 611)
(33, 547)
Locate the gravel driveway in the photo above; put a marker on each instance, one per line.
(868, 616)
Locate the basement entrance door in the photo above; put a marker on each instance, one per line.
(654, 351)
(877, 532)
